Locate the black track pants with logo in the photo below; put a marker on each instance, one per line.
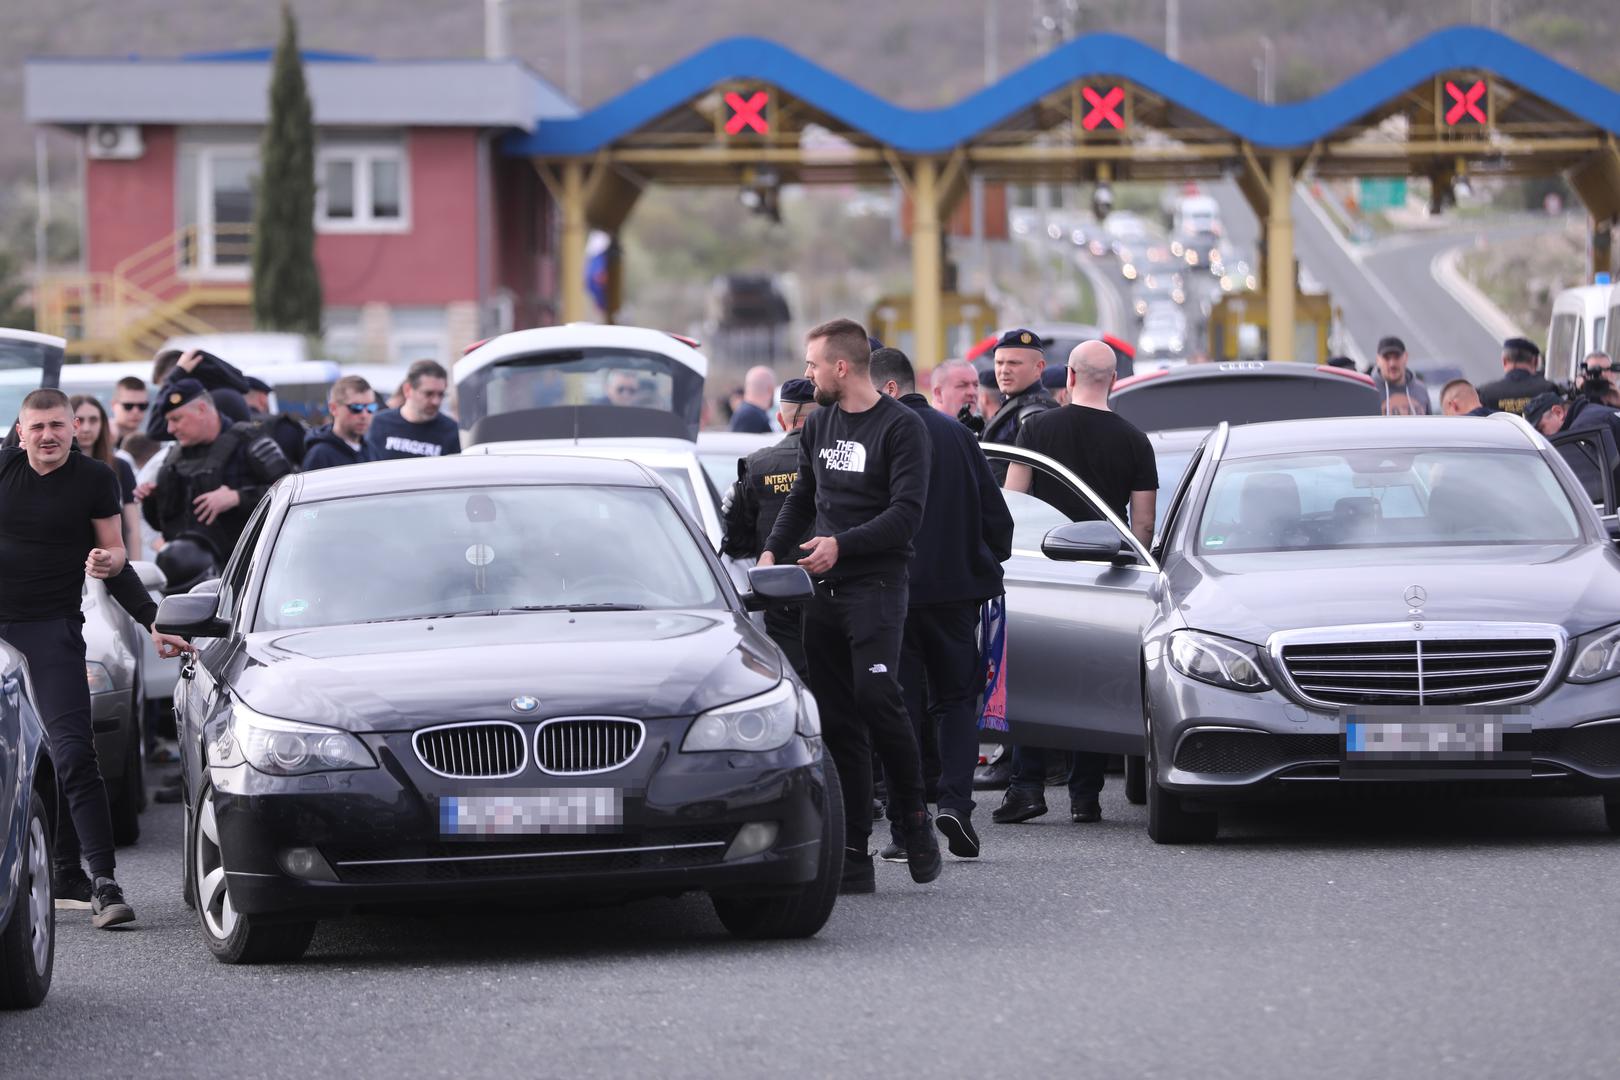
(852, 634)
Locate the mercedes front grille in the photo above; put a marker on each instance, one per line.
(1464, 671)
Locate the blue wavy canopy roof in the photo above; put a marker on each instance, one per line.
(925, 131)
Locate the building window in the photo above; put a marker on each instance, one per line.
(216, 191)
(362, 188)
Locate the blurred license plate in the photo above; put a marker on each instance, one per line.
(565, 810)
(1454, 740)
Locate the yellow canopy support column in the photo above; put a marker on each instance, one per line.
(571, 253)
(926, 275)
(1280, 278)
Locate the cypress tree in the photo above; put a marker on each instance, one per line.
(286, 281)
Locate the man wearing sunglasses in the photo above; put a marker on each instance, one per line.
(128, 412)
(343, 441)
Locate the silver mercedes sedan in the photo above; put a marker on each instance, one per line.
(1356, 601)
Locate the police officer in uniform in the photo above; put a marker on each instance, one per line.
(206, 491)
(764, 479)
(1520, 381)
(1020, 359)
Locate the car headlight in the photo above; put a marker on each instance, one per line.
(1218, 661)
(100, 681)
(765, 722)
(1597, 656)
(286, 747)
(809, 715)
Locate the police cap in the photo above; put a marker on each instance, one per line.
(182, 392)
(1055, 376)
(798, 392)
(1520, 344)
(1539, 405)
(257, 385)
(1020, 339)
(987, 379)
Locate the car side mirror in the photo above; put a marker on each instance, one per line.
(1611, 525)
(152, 578)
(1087, 541)
(205, 588)
(192, 615)
(773, 586)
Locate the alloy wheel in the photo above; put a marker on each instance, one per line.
(213, 898)
(41, 904)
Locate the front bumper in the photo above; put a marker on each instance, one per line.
(378, 830)
(1212, 743)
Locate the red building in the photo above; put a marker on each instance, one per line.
(427, 237)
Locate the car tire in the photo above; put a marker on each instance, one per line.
(28, 940)
(1135, 779)
(805, 911)
(232, 937)
(1169, 822)
(126, 809)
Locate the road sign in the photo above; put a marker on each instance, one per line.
(1104, 108)
(1383, 192)
(748, 113)
(1465, 103)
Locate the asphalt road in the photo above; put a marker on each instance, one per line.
(1467, 939)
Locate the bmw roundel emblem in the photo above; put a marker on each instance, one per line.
(525, 704)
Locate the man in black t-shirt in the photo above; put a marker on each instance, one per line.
(1113, 458)
(862, 484)
(59, 520)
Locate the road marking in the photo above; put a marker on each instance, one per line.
(1483, 309)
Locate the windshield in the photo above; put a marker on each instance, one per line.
(1246, 398)
(481, 550)
(606, 376)
(1401, 498)
(25, 366)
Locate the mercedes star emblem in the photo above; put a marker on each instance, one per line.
(1416, 596)
(525, 704)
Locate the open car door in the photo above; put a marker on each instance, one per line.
(1074, 625)
(1594, 458)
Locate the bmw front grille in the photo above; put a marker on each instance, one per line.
(487, 749)
(573, 745)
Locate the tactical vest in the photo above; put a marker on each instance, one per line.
(771, 473)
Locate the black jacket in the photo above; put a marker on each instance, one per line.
(223, 380)
(967, 530)
(323, 449)
(1514, 390)
(764, 479)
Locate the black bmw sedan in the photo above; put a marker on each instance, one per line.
(492, 677)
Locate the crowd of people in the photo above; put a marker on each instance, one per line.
(172, 470)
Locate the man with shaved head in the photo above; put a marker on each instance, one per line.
(1115, 460)
(753, 413)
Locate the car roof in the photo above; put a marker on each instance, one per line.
(653, 453)
(1227, 369)
(1375, 432)
(546, 339)
(466, 470)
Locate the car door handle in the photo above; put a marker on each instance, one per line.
(188, 666)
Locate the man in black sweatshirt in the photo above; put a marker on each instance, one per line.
(966, 535)
(862, 484)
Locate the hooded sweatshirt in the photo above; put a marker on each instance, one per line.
(323, 449)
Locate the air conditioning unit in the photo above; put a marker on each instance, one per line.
(118, 142)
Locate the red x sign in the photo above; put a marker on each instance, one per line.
(1465, 103)
(1103, 108)
(747, 114)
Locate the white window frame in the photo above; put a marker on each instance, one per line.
(361, 155)
(205, 268)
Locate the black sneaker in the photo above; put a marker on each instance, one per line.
(895, 852)
(1085, 813)
(107, 906)
(1019, 806)
(72, 890)
(960, 836)
(858, 874)
(922, 848)
(994, 776)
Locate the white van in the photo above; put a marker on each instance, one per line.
(1583, 321)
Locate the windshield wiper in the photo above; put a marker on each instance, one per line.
(578, 607)
(431, 615)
